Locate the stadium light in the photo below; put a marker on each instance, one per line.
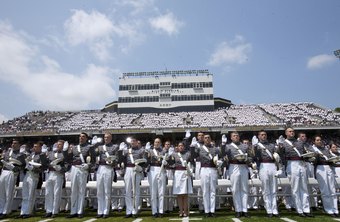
(337, 53)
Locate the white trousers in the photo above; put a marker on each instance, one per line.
(104, 188)
(208, 186)
(157, 189)
(326, 179)
(29, 187)
(132, 190)
(169, 201)
(7, 183)
(78, 188)
(297, 175)
(269, 186)
(53, 192)
(238, 174)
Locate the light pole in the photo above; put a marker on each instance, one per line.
(337, 53)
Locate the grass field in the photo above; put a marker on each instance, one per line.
(145, 216)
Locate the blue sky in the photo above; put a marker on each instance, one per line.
(68, 55)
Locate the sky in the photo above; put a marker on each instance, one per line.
(68, 55)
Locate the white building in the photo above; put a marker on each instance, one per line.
(166, 91)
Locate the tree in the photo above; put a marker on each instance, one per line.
(337, 109)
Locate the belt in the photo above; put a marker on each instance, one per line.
(267, 161)
(236, 162)
(294, 158)
(208, 165)
(130, 165)
(77, 162)
(155, 164)
(180, 168)
(323, 163)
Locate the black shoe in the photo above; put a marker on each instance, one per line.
(25, 216)
(270, 215)
(99, 216)
(128, 215)
(134, 215)
(245, 214)
(72, 216)
(120, 210)
(212, 215)
(80, 215)
(206, 215)
(160, 215)
(238, 214)
(308, 214)
(3, 216)
(155, 215)
(19, 216)
(54, 215)
(302, 215)
(276, 215)
(336, 215)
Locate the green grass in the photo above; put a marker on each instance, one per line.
(222, 215)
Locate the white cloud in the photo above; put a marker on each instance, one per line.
(138, 5)
(320, 61)
(3, 118)
(47, 85)
(167, 23)
(94, 29)
(232, 52)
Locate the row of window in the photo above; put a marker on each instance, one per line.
(173, 98)
(173, 86)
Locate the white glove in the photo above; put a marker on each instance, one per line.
(219, 163)
(44, 148)
(122, 146)
(9, 166)
(278, 173)
(84, 166)
(65, 147)
(171, 150)
(254, 140)
(255, 172)
(164, 162)
(224, 139)
(94, 140)
(148, 146)
(193, 141)
(138, 169)
(29, 167)
(280, 140)
(187, 134)
(57, 167)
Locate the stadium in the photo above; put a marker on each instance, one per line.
(166, 104)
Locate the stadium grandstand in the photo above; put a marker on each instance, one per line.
(170, 102)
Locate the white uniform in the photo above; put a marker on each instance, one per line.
(132, 179)
(30, 183)
(79, 174)
(182, 183)
(297, 173)
(264, 157)
(105, 175)
(238, 173)
(8, 178)
(208, 174)
(326, 179)
(54, 183)
(157, 180)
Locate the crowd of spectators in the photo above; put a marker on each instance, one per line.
(276, 114)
